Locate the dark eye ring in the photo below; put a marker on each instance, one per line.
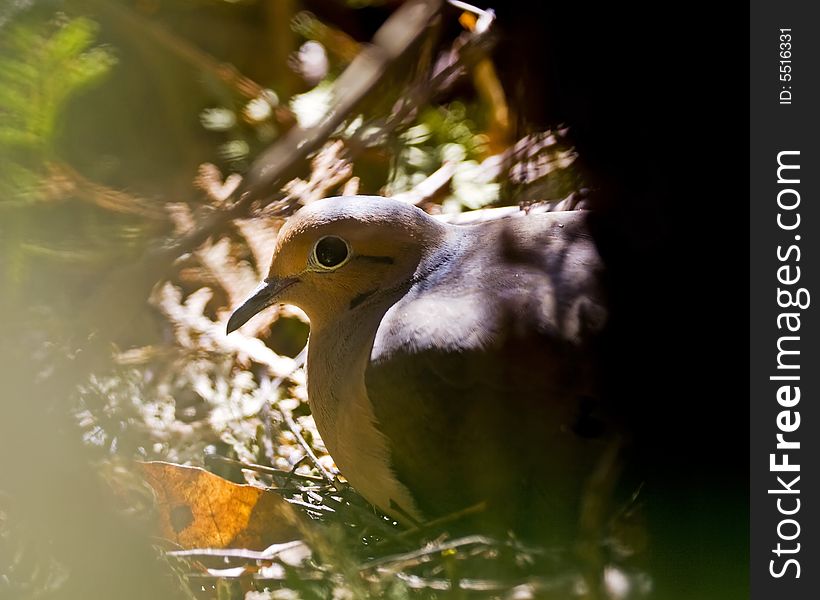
(330, 252)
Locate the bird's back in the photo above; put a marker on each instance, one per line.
(482, 376)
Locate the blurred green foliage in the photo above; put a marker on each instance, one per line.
(58, 227)
(41, 66)
(446, 133)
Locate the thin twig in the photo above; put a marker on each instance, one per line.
(319, 508)
(264, 469)
(430, 549)
(431, 186)
(445, 520)
(469, 8)
(267, 554)
(296, 430)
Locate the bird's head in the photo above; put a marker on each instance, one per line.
(337, 253)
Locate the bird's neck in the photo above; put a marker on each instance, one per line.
(338, 352)
(338, 355)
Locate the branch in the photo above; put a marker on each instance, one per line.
(287, 158)
(182, 49)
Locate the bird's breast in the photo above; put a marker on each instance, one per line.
(337, 360)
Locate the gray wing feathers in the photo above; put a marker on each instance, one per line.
(538, 273)
(501, 331)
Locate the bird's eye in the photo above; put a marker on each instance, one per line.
(331, 252)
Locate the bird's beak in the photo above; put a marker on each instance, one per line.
(265, 294)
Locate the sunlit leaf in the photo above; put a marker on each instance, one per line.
(198, 509)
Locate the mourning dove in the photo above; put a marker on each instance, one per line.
(447, 364)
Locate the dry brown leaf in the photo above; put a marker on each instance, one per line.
(198, 509)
